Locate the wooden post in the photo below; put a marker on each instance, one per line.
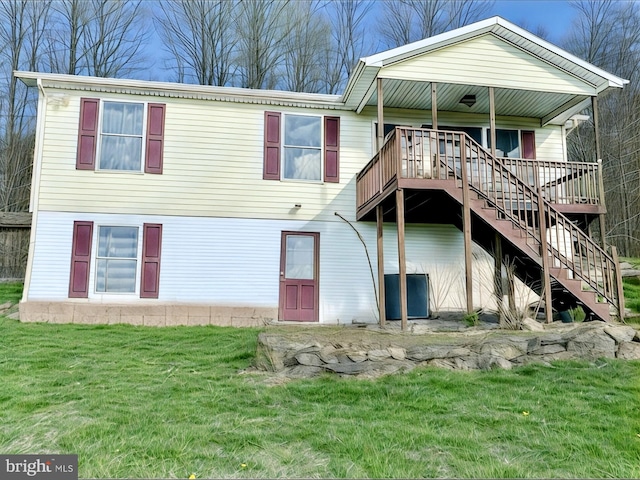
(596, 132)
(402, 260)
(602, 204)
(434, 106)
(619, 288)
(497, 274)
(492, 120)
(466, 230)
(544, 253)
(380, 132)
(596, 127)
(381, 291)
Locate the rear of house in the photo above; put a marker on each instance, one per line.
(170, 204)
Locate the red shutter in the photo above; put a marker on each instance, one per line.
(80, 259)
(155, 138)
(87, 134)
(151, 243)
(271, 167)
(528, 140)
(332, 149)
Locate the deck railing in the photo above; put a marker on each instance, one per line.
(436, 154)
(563, 183)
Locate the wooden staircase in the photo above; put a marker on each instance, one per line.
(581, 270)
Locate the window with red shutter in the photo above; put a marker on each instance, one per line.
(87, 134)
(80, 259)
(151, 246)
(111, 136)
(332, 149)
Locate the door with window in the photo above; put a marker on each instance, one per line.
(299, 262)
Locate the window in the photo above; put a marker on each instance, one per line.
(301, 147)
(120, 135)
(119, 263)
(117, 259)
(507, 143)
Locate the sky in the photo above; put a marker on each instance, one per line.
(554, 15)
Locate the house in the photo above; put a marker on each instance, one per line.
(169, 204)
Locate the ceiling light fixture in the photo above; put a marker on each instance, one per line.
(468, 100)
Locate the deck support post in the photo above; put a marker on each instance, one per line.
(434, 106)
(497, 275)
(381, 292)
(544, 253)
(402, 260)
(492, 120)
(466, 230)
(619, 288)
(596, 134)
(380, 132)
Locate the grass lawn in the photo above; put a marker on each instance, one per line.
(168, 402)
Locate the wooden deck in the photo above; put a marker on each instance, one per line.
(523, 201)
(421, 159)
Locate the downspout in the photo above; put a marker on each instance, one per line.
(35, 184)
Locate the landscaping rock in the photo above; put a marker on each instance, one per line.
(429, 352)
(378, 355)
(620, 334)
(309, 359)
(592, 344)
(507, 350)
(369, 354)
(631, 272)
(489, 362)
(548, 349)
(358, 356)
(397, 353)
(351, 368)
(629, 351)
(532, 325)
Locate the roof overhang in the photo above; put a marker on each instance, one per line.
(180, 90)
(361, 88)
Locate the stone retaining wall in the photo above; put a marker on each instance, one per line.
(312, 353)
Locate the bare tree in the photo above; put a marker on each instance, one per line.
(262, 27)
(304, 48)
(607, 34)
(22, 23)
(103, 38)
(406, 21)
(200, 37)
(349, 27)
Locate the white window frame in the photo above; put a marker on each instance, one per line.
(96, 257)
(100, 134)
(284, 146)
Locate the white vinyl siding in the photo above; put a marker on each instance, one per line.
(466, 63)
(235, 262)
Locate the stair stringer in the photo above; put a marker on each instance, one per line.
(514, 236)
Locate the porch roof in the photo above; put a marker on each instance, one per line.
(518, 96)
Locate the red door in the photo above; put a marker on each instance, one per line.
(299, 277)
